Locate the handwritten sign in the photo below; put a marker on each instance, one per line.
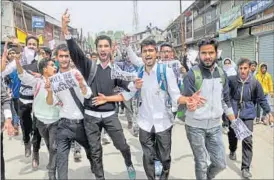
(175, 65)
(63, 81)
(240, 129)
(117, 73)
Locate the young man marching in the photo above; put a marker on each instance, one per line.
(47, 116)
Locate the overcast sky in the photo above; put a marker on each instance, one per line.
(95, 16)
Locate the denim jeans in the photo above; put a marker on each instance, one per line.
(204, 143)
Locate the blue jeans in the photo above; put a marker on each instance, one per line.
(204, 143)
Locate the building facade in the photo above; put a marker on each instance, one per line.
(243, 28)
(20, 19)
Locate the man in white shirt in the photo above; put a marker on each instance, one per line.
(71, 126)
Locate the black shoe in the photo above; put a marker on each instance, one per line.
(35, 160)
(246, 174)
(27, 149)
(232, 156)
(164, 175)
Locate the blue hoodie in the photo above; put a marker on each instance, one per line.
(252, 93)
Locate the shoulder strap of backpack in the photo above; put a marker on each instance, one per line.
(92, 72)
(161, 76)
(197, 76)
(140, 72)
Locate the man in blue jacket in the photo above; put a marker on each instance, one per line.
(245, 92)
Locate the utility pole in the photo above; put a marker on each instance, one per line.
(182, 29)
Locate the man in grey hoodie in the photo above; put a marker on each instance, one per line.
(203, 125)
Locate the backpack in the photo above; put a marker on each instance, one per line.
(198, 78)
(161, 78)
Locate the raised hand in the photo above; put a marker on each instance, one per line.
(65, 22)
(48, 85)
(99, 100)
(126, 40)
(79, 78)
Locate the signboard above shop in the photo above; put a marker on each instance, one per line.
(254, 7)
(229, 16)
(263, 28)
(38, 22)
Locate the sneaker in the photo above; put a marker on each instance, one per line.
(158, 168)
(232, 156)
(131, 172)
(77, 156)
(246, 174)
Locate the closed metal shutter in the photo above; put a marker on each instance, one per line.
(245, 48)
(226, 49)
(266, 52)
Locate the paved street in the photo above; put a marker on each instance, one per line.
(19, 167)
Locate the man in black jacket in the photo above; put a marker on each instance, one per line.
(98, 77)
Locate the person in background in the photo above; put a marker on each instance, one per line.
(245, 93)
(28, 124)
(94, 56)
(265, 79)
(45, 52)
(253, 68)
(5, 122)
(46, 116)
(230, 68)
(14, 85)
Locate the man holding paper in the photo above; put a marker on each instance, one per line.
(245, 92)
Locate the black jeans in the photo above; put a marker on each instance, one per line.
(112, 125)
(155, 145)
(2, 159)
(49, 132)
(247, 144)
(28, 126)
(67, 131)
